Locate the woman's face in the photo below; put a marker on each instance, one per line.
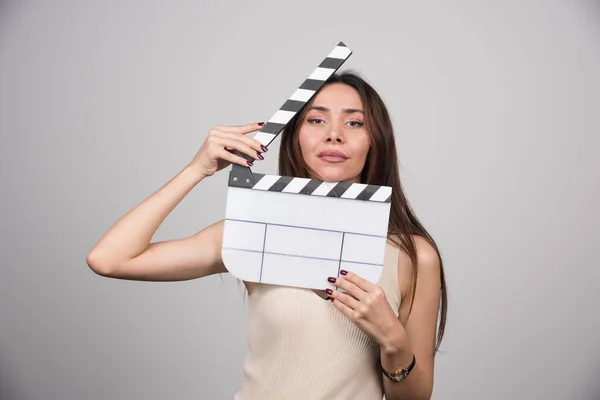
(332, 135)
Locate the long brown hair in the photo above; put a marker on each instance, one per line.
(381, 168)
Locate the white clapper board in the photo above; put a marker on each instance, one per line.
(297, 232)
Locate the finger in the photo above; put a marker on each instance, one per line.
(342, 307)
(251, 142)
(359, 281)
(233, 158)
(255, 144)
(344, 298)
(242, 129)
(238, 145)
(348, 286)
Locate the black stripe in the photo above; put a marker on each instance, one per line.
(312, 84)
(257, 177)
(280, 184)
(245, 156)
(339, 189)
(272, 127)
(292, 105)
(310, 186)
(367, 192)
(333, 63)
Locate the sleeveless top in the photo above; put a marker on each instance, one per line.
(303, 347)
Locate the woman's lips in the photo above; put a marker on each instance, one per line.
(333, 156)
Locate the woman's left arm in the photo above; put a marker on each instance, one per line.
(366, 305)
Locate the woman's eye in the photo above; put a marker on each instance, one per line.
(356, 124)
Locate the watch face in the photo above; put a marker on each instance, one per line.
(398, 375)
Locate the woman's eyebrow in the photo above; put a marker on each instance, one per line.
(345, 110)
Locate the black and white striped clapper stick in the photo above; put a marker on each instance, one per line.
(297, 232)
(303, 93)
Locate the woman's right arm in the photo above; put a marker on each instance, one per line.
(125, 251)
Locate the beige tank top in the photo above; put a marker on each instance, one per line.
(302, 347)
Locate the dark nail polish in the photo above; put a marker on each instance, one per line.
(343, 272)
(332, 280)
(260, 157)
(329, 291)
(331, 299)
(264, 149)
(261, 123)
(249, 163)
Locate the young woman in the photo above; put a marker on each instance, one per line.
(302, 347)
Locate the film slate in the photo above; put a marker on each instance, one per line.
(297, 232)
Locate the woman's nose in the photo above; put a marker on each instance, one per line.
(335, 133)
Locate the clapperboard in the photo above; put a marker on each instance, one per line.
(295, 231)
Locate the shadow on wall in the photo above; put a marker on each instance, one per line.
(595, 8)
(591, 381)
(7, 9)
(8, 390)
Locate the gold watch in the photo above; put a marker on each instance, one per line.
(399, 374)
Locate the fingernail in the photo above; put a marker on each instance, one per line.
(260, 157)
(329, 291)
(332, 280)
(249, 163)
(331, 299)
(343, 272)
(261, 123)
(264, 149)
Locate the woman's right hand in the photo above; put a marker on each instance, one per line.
(218, 150)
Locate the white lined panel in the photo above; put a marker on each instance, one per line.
(244, 265)
(382, 193)
(363, 249)
(244, 235)
(302, 95)
(297, 271)
(303, 242)
(321, 74)
(340, 52)
(282, 116)
(344, 215)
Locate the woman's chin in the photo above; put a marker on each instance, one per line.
(333, 175)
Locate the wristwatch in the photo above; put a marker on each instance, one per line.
(399, 374)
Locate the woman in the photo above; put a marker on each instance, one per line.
(302, 347)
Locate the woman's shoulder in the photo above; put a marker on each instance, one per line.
(425, 252)
(426, 257)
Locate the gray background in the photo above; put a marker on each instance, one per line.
(496, 106)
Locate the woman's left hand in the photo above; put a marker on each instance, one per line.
(366, 305)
